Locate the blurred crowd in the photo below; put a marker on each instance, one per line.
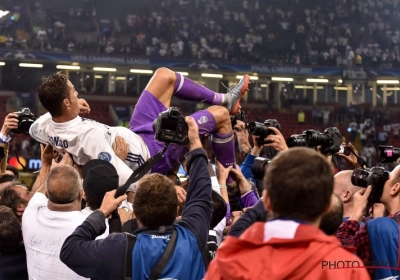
(340, 33)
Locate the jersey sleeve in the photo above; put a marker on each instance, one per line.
(94, 145)
(37, 128)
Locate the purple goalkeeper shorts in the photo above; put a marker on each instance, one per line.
(146, 111)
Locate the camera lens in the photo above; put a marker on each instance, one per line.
(259, 167)
(297, 141)
(360, 177)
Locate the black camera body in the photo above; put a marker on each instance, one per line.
(376, 177)
(330, 141)
(389, 154)
(25, 119)
(171, 127)
(262, 129)
(240, 116)
(259, 168)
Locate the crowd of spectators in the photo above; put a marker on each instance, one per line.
(191, 226)
(340, 33)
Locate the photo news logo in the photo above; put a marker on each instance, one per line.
(356, 264)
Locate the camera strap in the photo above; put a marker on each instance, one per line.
(141, 171)
(115, 222)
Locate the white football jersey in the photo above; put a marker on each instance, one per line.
(85, 139)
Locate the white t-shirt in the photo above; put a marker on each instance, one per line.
(44, 232)
(85, 139)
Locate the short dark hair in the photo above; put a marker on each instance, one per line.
(219, 209)
(6, 178)
(13, 169)
(10, 231)
(9, 197)
(331, 221)
(155, 202)
(299, 183)
(52, 91)
(63, 184)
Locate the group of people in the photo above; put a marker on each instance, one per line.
(222, 224)
(341, 33)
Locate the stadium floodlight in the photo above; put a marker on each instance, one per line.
(2, 63)
(253, 78)
(68, 67)
(282, 79)
(307, 87)
(183, 73)
(120, 78)
(3, 13)
(341, 88)
(340, 81)
(264, 85)
(104, 69)
(391, 88)
(141, 71)
(387, 82)
(317, 80)
(210, 75)
(31, 65)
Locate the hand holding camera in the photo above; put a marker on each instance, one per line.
(263, 130)
(25, 119)
(276, 140)
(10, 124)
(193, 133)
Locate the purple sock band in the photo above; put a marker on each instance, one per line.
(223, 146)
(205, 120)
(179, 80)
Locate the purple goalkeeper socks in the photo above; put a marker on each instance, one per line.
(223, 146)
(186, 89)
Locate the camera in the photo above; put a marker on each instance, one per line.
(298, 140)
(376, 177)
(171, 127)
(389, 153)
(259, 167)
(330, 141)
(240, 116)
(25, 119)
(262, 129)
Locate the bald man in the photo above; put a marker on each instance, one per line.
(48, 221)
(345, 190)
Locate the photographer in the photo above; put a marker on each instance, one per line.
(377, 241)
(10, 123)
(155, 209)
(277, 142)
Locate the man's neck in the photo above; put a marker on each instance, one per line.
(63, 119)
(393, 209)
(73, 206)
(347, 210)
